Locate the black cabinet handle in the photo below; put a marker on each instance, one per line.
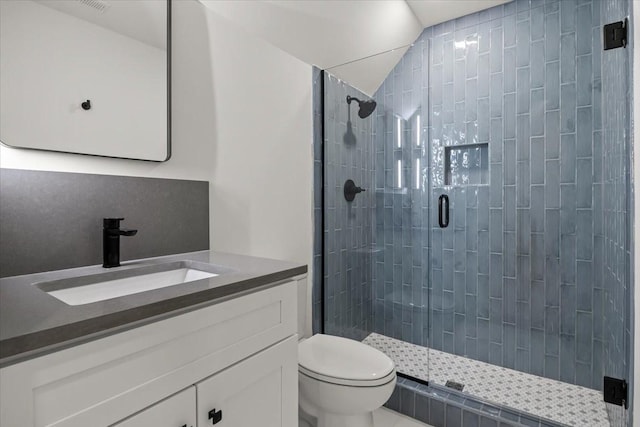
(215, 416)
(443, 211)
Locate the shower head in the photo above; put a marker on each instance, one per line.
(366, 107)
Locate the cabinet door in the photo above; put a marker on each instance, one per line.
(259, 391)
(178, 410)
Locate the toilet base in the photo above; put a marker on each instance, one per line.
(335, 420)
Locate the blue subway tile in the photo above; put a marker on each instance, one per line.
(568, 258)
(552, 36)
(567, 16)
(407, 402)
(537, 23)
(583, 31)
(453, 416)
(552, 330)
(568, 107)
(495, 92)
(567, 58)
(552, 139)
(584, 235)
(568, 159)
(584, 333)
(509, 116)
(584, 133)
(436, 413)
(522, 43)
(584, 282)
(523, 81)
(537, 256)
(584, 183)
(422, 408)
(509, 255)
(568, 215)
(523, 134)
(488, 422)
(567, 358)
(552, 282)
(567, 309)
(509, 346)
(470, 419)
(509, 71)
(552, 187)
(584, 81)
(537, 112)
(537, 341)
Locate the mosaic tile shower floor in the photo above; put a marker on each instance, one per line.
(561, 402)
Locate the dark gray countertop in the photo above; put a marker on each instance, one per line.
(33, 323)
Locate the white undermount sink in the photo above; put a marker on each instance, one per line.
(100, 287)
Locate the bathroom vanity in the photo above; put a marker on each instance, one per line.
(222, 349)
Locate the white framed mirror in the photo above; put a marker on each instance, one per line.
(86, 76)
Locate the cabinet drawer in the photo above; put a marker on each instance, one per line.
(178, 410)
(260, 391)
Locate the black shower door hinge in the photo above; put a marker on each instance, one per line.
(616, 391)
(615, 34)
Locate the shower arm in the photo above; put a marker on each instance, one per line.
(352, 98)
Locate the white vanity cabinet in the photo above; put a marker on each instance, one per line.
(178, 410)
(238, 356)
(256, 392)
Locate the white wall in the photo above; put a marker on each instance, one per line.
(261, 179)
(330, 33)
(242, 120)
(53, 61)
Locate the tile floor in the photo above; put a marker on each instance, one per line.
(384, 417)
(561, 402)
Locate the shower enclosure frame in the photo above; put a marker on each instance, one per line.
(324, 261)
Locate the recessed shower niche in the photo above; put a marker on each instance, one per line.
(466, 164)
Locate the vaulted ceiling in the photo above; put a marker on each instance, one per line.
(337, 34)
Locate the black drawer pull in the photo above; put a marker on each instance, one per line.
(215, 416)
(443, 211)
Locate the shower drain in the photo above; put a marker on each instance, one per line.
(454, 385)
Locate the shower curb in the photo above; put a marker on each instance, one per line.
(439, 407)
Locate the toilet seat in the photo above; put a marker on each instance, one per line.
(342, 361)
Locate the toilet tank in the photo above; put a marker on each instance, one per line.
(304, 308)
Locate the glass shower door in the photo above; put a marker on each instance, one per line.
(349, 246)
(530, 279)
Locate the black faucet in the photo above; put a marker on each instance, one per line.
(111, 233)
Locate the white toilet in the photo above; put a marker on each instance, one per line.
(341, 381)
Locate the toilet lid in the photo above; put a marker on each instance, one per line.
(341, 358)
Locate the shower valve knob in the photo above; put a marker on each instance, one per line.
(351, 189)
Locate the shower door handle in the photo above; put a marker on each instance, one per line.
(443, 211)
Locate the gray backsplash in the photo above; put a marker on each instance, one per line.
(53, 220)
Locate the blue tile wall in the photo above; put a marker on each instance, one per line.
(517, 278)
(401, 226)
(533, 272)
(348, 226)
